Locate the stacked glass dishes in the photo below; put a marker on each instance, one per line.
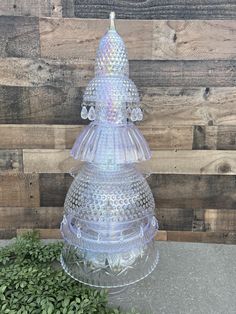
(109, 224)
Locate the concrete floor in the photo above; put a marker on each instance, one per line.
(191, 278)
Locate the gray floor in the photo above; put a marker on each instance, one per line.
(190, 278)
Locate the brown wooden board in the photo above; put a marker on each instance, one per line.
(175, 218)
(183, 73)
(53, 188)
(19, 36)
(7, 234)
(151, 9)
(63, 136)
(163, 106)
(79, 39)
(170, 191)
(40, 105)
(221, 137)
(145, 40)
(19, 190)
(26, 7)
(11, 160)
(214, 220)
(193, 191)
(162, 161)
(44, 233)
(203, 237)
(188, 219)
(164, 73)
(40, 217)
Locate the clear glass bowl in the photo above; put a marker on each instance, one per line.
(109, 270)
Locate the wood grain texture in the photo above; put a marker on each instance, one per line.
(44, 72)
(163, 106)
(19, 36)
(145, 40)
(43, 233)
(194, 191)
(48, 105)
(203, 237)
(168, 162)
(189, 219)
(189, 105)
(79, 39)
(63, 136)
(25, 7)
(221, 137)
(164, 73)
(38, 136)
(151, 9)
(183, 73)
(214, 220)
(19, 190)
(7, 234)
(20, 217)
(170, 191)
(53, 188)
(11, 161)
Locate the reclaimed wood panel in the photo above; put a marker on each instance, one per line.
(145, 40)
(79, 39)
(163, 106)
(193, 191)
(189, 105)
(19, 190)
(7, 233)
(48, 161)
(48, 105)
(43, 233)
(162, 73)
(19, 36)
(44, 72)
(189, 219)
(26, 7)
(38, 136)
(63, 136)
(53, 188)
(203, 237)
(40, 217)
(168, 162)
(183, 73)
(11, 161)
(175, 218)
(214, 220)
(151, 9)
(170, 191)
(221, 137)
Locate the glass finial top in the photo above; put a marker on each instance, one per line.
(112, 21)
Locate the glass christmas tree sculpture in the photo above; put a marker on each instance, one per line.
(109, 224)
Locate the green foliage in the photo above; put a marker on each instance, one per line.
(31, 281)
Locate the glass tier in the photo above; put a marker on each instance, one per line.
(109, 270)
(111, 144)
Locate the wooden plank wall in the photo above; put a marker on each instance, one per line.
(183, 60)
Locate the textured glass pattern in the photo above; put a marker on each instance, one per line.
(107, 144)
(109, 224)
